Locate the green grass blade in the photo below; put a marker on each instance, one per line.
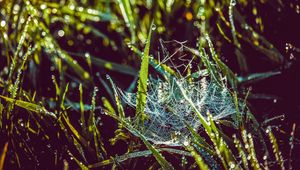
(276, 151)
(108, 105)
(126, 11)
(199, 140)
(29, 106)
(117, 98)
(108, 64)
(19, 47)
(255, 77)
(81, 106)
(199, 160)
(142, 82)
(221, 66)
(136, 154)
(241, 152)
(79, 163)
(76, 134)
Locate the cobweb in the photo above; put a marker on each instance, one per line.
(168, 111)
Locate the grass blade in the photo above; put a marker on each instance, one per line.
(128, 17)
(255, 77)
(136, 154)
(2, 158)
(275, 147)
(29, 106)
(199, 160)
(142, 82)
(108, 64)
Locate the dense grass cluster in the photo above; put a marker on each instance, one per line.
(141, 85)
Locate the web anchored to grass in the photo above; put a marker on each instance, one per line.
(168, 111)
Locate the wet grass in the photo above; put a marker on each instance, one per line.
(63, 63)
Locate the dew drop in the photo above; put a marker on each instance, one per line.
(43, 33)
(246, 146)
(2, 23)
(183, 160)
(54, 11)
(153, 27)
(186, 143)
(265, 157)
(43, 6)
(72, 7)
(233, 2)
(232, 165)
(61, 33)
(80, 9)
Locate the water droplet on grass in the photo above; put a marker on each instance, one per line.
(153, 27)
(61, 33)
(3, 23)
(43, 6)
(233, 2)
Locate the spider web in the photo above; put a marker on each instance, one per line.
(178, 60)
(168, 112)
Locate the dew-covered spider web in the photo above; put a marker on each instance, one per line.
(168, 111)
